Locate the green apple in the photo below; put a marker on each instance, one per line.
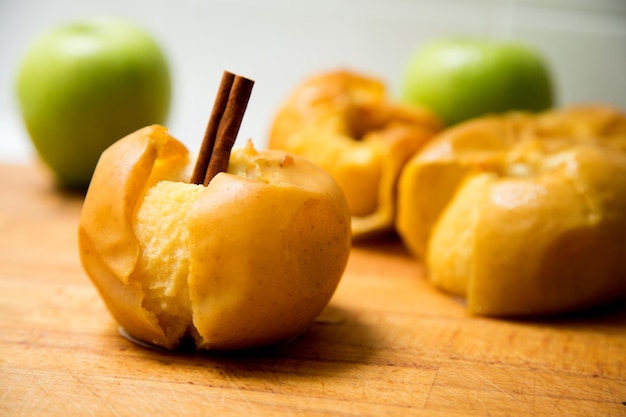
(84, 85)
(461, 78)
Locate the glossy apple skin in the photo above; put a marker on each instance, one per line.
(84, 85)
(462, 78)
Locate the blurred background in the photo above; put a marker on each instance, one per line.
(278, 43)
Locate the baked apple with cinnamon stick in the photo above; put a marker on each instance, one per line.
(242, 249)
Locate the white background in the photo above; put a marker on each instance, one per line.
(280, 42)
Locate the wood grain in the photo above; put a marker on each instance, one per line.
(387, 345)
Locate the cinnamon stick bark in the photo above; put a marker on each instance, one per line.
(229, 108)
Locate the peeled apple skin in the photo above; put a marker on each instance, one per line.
(528, 216)
(264, 245)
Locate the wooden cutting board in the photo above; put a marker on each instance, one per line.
(388, 344)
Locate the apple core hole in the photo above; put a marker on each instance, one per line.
(363, 120)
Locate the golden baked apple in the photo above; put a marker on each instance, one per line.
(346, 123)
(522, 214)
(247, 260)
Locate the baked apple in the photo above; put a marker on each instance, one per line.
(247, 260)
(522, 214)
(346, 123)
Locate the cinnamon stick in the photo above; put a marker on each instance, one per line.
(210, 134)
(221, 132)
(229, 126)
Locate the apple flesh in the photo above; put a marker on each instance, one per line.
(84, 85)
(249, 260)
(461, 78)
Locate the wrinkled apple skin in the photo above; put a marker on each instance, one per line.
(267, 243)
(108, 248)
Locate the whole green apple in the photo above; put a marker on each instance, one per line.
(461, 78)
(84, 85)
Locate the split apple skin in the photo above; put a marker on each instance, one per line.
(247, 261)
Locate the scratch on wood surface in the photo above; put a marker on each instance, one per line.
(474, 386)
(432, 383)
(497, 387)
(561, 396)
(240, 393)
(112, 409)
(175, 399)
(170, 397)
